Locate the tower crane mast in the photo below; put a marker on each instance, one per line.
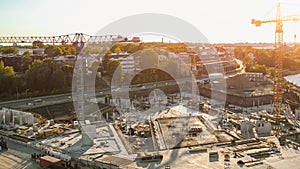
(278, 79)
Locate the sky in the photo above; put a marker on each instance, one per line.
(221, 21)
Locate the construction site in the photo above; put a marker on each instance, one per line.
(227, 118)
(142, 139)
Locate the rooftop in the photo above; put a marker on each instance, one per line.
(50, 159)
(116, 160)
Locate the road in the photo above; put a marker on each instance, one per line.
(46, 100)
(61, 98)
(29, 102)
(242, 67)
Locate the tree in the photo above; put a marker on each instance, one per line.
(68, 74)
(290, 63)
(238, 52)
(271, 72)
(10, 50)
(6, 78)
(93, 65)
(37, 76)
(117, 50)
(6, 70)
(115, 71)
(26, 53)
(260, 69)
(72, 50)
(69, 50)
(236, 64)
(112, 66)
(44, 75)
(264, 57)
(117, 45)
(176, 47)
(171, 65)
(92, 49)
(151, 75)
(53, 51)
(26, 61)
(247, 61)
(38, 44)
(297, 51)
(148, 58)
(248, 49)
(57, 78)
(106, 59)
(131, 47)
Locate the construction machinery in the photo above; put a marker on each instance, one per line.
(278, 79)
(66, 39)
(50, 132)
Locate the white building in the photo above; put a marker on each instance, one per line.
(10, 117)
(255, 77)
(247, 129)
(130, 64)
(263, 128)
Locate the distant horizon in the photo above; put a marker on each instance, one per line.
(148, 40)
(156, 39)
(219, 21)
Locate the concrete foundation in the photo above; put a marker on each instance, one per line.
(247, 129)
(15, 117)
(263, 128)
(88, 134)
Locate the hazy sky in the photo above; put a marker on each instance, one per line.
(218, 20)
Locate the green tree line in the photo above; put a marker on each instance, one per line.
(264, 60)
(40, 77)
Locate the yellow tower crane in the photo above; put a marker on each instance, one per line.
(278, 79)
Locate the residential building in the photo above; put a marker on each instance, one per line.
(130, 63)
(245, 80)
